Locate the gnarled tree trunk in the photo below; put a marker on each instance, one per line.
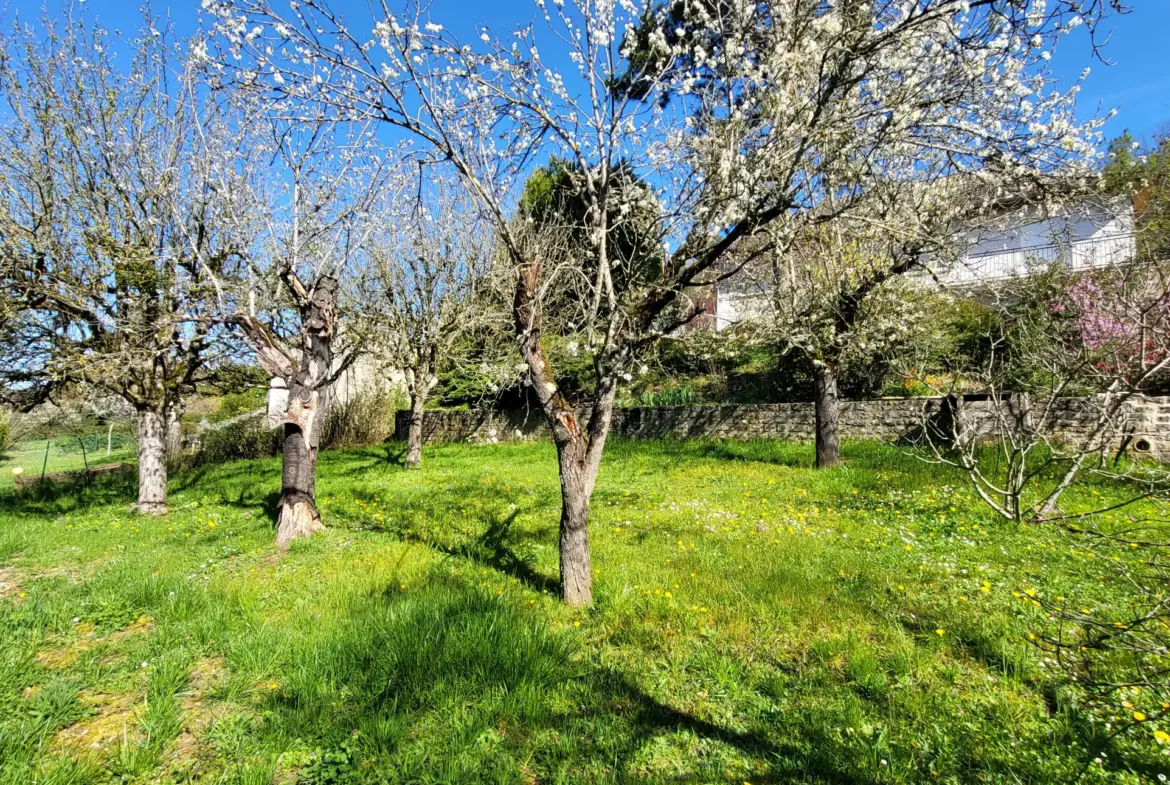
(308, 401)
(150, 427)
(298, 515)
(827, 408)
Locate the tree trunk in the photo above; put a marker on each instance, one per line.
(827, 407)
(414, 434)
(576, 489)
(579, 449)
(174, 433)
(298, 488)
(109, 438)
(152, 462)
(308, 401)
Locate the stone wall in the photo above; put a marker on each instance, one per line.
(887, 419)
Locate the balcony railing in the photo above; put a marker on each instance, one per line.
(1016, 262)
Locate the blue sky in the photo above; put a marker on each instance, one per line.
(1135, 79)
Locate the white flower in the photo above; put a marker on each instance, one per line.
(434, 28)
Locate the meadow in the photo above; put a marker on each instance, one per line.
(756, 621)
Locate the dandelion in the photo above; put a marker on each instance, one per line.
(940, 631)
(1162, 737)
(1139, 717)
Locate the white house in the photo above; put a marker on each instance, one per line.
(1084, 236)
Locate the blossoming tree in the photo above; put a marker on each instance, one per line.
(313, 222)
(422, 281)
(740, 120)
(118, 222)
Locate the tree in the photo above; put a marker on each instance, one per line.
(325, 180)
(775, 102)
(1080, 346)
(428, 264)
(839, 293)
(117, 223)
(1143, 177)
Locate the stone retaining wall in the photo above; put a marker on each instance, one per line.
(886, 419)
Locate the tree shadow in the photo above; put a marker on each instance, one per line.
(270, 504)
(58, 497)
(750, 453)
(458, 665)
(494, 549)
(385, 454)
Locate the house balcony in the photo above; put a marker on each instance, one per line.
(1087, 254)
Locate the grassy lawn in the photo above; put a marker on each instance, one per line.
(64, 454)
(756, 622)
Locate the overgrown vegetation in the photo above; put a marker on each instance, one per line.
(754, 621)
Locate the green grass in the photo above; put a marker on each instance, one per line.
(755, 621)
(64, 454)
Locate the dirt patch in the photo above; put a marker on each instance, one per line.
(115, 719)
(199, 711)
(9, 583)
(66, 656)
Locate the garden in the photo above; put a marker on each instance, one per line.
(631, 392)
(755, 620)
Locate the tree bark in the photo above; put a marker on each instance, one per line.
(827, 408)
(576, 489)
(298, 516)
(150, 428)
(414, 434)
(308, 401)
(174, 441)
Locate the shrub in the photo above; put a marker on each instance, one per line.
(250, 438)
(8, 427)
(239, 402)
(365, 418)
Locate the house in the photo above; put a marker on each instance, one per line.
(1085, 235)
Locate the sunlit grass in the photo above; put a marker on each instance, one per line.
(755, 621)
(31, 457)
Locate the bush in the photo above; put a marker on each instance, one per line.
(239, 402)
(8, 427)
(365, 418)
(242, 440)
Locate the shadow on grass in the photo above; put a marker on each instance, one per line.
(59, 497)
(448, 677)
(493, 549)
(750, 451)
(269, 504)
(371, 457)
